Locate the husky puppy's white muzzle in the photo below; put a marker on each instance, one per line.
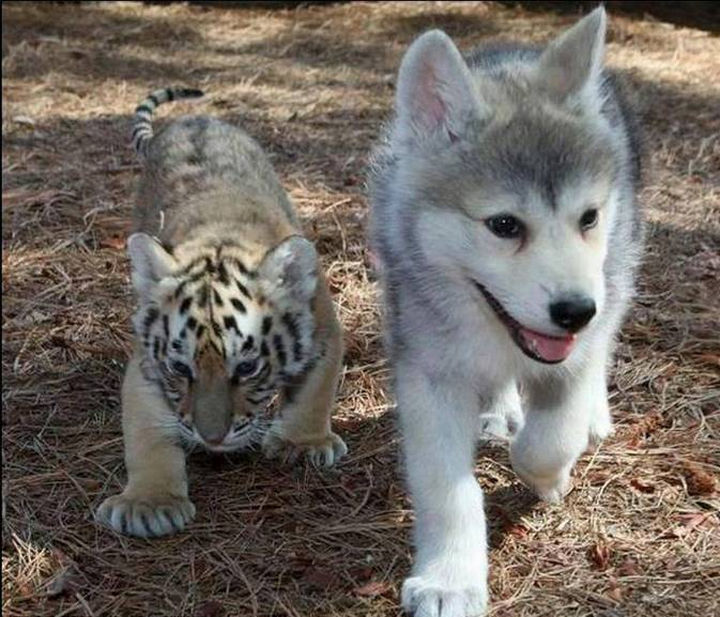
(571, 313)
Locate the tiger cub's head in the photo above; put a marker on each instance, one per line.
(221, 335)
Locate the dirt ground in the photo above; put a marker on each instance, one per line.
(638, 536)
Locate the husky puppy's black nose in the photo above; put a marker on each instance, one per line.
(573, 312)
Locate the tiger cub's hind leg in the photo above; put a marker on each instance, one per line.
(155, 501)
(302, 426)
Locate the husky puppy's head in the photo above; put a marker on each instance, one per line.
(510, 167)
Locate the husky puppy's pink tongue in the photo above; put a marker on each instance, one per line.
(538, 346)
(549, 348)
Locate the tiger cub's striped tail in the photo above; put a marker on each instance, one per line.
(142, 124)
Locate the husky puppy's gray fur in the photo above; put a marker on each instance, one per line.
(505, 222)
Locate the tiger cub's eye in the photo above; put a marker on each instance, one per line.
(246, 368)
(181, 369)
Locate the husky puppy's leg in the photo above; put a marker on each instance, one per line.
(155, 501)
(439, 421)
(601, 424)
(561, 417)
(504, 418)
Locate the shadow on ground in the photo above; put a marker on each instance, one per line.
(693, 14)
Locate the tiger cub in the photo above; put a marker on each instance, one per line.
(232, 308)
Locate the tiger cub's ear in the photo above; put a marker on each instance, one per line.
(150, 263)
(290, 270)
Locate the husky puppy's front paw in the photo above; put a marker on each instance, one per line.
(322, 452)
(504, 418)
(551, 488)
(452, 591)
(601, 426)
(499, 426)
(146, 517)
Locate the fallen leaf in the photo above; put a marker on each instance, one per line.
(690, 521)
(615, 593)
(114, 241)
(642, 485)
(25, 588)
(699, 519)
(643, 429)
(709, 358)
(599, 555)
(598, 477)
(373, 588)
(629, 567)
(90, 484)
(699, 481)
(320, 578)
(363, 573)
(299, 563)
(518, 530)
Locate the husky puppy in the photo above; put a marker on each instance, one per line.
(505, 221)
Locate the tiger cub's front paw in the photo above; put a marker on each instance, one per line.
(321, 452)
(146, 517)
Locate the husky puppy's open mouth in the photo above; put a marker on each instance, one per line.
(541, 347)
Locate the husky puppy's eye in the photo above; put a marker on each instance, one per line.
(589, 219)
(246, 369)
(505, 226)
(181, 369)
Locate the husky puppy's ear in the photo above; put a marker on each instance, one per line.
(435, 92)
(290, 269)
(150, 263)
(570, 65)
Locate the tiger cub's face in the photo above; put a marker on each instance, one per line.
(220, 338)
